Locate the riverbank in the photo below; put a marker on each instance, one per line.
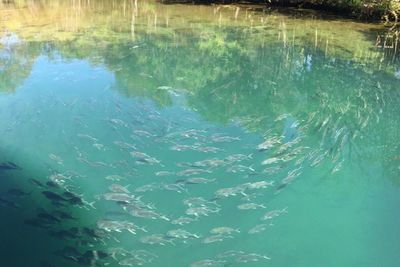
(367, 10)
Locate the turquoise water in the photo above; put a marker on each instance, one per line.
(133, 140)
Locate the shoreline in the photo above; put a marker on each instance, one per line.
(364, 13)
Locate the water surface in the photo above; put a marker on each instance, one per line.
(153, 125)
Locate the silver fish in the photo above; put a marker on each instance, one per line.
(259, 228)
(181, 234)
(115, 177)
(252, 257)
(215, 238)
(116, 188)
(250, 206)
(201, 211)
(56, 158)
(199, 180)
(183, 220)
(189, 172)
(123, 197)
(156, 239)
(207, 263)
(273, 213)
(223, 230)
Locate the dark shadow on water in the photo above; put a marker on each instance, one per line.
(40, 231)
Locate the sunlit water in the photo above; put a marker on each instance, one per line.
(152, 125)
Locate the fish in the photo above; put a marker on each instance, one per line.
(59, 178)
(69, 194)
(258, 185)
(53, 196)
(208, 263)
(124, 145)
(86, 136)
(238, 157)
(132, 262)
(201, 211)
(164, 87)
(258, 228)
(36, 182)
(230, 254)
(198, 201)
(181, 234)
(39, 223)
(270, 161)
(44, 263)
(143, 158)
(148, 187)
(198, 180)
(273, 213)
(113, 252)
(56, 158)
(215, 238)
(7, 166)
(269, 143)
(281, 186)
(117, 122)
(250, 206)
(91, 233)
(155, 239)
(240, 168)
(63, 215)
(91, 256)
(181, 147)
(183, 220)
(214, 162)
(189, 172)
(71, 234)
(18, 193)
(92, 163)
(192, 133)
(318, 159)
(115, 178)
(149, 214)
(208, 149)
(143, 255)
(54, 185)
(8, 204)
(99, 146)
(78, 201)
(230, 191)
(252, 257)
(164, 173)
(48, 217)
(272, 170)
(221, 138)
(118, 226)
(68, 253)
(116, 188)
(177, 187)
(123, 197)
(223, 230)
(143, 133)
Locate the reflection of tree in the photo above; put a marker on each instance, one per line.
(247, 72)
(16, 64)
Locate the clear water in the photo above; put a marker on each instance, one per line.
(295, 116)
